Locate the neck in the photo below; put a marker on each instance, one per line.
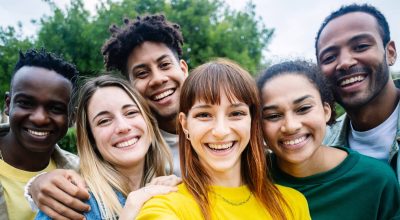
(367, 117)
(134, 175)
(230, 178)
(20, 157)
(324, 159)
(169, 126)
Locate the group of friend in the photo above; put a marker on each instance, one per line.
(243, 148)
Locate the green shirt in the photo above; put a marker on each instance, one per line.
(360, 187)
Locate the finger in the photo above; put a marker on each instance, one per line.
(63, 192)
(60, 212)
(72, 189)
(75, 178)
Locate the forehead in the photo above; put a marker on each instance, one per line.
(147, 52)
(288, 87)
(41, 83)
(104, 98)
(347, 26)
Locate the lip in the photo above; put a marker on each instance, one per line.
(220, 152)
(125, 139)
(153, 95)
(298, 142)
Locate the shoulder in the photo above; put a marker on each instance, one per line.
(4, 129)
(296, 201)
(65, 159)
(291, 195)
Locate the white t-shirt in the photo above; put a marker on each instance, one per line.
(378, 141)
(172, 141)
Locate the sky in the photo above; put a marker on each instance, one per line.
(295, 22)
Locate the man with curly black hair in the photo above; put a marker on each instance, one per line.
(37, 106)
(148, 51)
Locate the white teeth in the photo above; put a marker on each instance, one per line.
(352, 80)
(163, 95)
(220, 146)
(39, 133)
(295, 141)
(127, 143)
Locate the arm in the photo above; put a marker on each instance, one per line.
(59, 193)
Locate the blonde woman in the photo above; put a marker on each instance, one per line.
(223, 163)
(120, 149)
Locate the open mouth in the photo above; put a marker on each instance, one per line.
(294, 142)
(38, 133)
(352, 80)
(163, 95)
(221, 147)
(127, 143)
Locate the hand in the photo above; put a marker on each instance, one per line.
(137, 198)
(170, 180)
(59, 193)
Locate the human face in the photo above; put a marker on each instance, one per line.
(118, 127)
(38, 108)
(218, 134)
(352, 56)
(158, 76)
(294, 118)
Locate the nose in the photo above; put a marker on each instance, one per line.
(345, 60)
(221, 128)
(291, 125)
(39, 117)
(158, 77)
(122, 126)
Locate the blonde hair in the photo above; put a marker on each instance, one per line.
(101, 177)
(205, 83)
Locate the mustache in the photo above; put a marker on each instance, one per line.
(353, 70)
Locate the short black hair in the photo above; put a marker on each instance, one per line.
(384, 30)
(123, 40)
(47, 60)
(304, 68)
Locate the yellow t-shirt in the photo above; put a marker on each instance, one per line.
(13, 181)
(226, 203)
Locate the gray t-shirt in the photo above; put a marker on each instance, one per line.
(172, 141)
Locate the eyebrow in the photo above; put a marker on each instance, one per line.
(233, 105)
(352, 39)
(296, 101)
(142, 65)
(107, 112)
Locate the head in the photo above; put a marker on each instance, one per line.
(38, 101)
(148, 51)
(297, 106)
(354, 51)
(220, 130)
(116, 136)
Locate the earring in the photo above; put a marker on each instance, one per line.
(187, 135)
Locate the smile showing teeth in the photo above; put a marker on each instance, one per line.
(163, 95)
(38, 133)
(352, 80)
(127, 143)
(295, 141)
(219, 147)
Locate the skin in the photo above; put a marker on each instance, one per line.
(350, 47)
(37, 107)
(294, 123)
(224, 126)
(158, 75)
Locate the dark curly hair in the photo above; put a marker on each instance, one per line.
(123, 40)
(384, 30)
(47, 60)
(307, 69)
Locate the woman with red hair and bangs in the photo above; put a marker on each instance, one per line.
(224, 167)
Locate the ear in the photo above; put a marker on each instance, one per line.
(183, 122)
(391, 54)
(7, 99)
(184, 67)
(327, 112)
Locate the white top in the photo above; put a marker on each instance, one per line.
(172, 141)
(378, 141)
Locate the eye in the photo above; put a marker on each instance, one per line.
(202, 115)
(24, 103)
(272, 117)
(165, 65)
(361, 47)
(238, 113)
(104, 121)
(304, 109)
(328, 59)
(132, 113)
(57, 109)
(141, 74)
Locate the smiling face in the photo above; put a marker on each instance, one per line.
(294, 118)
(38, 108)
(218, 133)
(352, 56)
(118, 127)
(158, 75)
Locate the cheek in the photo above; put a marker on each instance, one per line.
(140, 86)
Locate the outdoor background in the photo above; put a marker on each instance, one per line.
(253, 33)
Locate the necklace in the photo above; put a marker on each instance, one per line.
(234, 203)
